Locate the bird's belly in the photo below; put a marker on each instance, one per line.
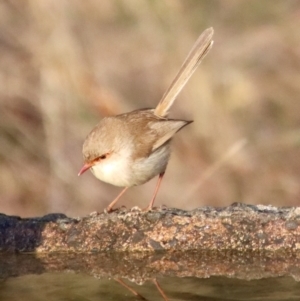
(145, 169)
(125, 173)
(115, 173)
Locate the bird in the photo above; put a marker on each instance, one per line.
(130, 149)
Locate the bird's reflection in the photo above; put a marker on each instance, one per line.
(159, 288)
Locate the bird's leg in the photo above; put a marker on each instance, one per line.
(160, 290)
(110, 206)
(149, 207)
(130, 289)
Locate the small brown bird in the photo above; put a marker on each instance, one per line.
(130, 149)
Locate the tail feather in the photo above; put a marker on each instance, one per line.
(194, 58)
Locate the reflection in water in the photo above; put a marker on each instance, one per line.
(140, 296)
(181, 276)
(131, 289)
(70, 286)
(160, 290)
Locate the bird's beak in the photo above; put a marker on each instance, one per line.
(84, 168)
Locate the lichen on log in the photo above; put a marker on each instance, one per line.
(239, 227)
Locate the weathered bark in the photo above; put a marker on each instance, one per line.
(238, 228)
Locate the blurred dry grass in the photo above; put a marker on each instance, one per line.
(65, 64)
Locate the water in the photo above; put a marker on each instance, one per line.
(156, 276)
(70, 286)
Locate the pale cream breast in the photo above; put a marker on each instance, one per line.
(115, 170)
(119, 170)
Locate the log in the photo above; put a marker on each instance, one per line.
(238, 227)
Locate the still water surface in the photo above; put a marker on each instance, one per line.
(71, 286)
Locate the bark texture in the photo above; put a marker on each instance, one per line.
(238, 227)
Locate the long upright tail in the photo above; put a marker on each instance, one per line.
(194, 58)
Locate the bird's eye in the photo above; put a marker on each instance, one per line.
(103, 157)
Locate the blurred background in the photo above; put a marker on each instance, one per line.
(66, 64)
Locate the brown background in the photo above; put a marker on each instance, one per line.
(66, 64)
